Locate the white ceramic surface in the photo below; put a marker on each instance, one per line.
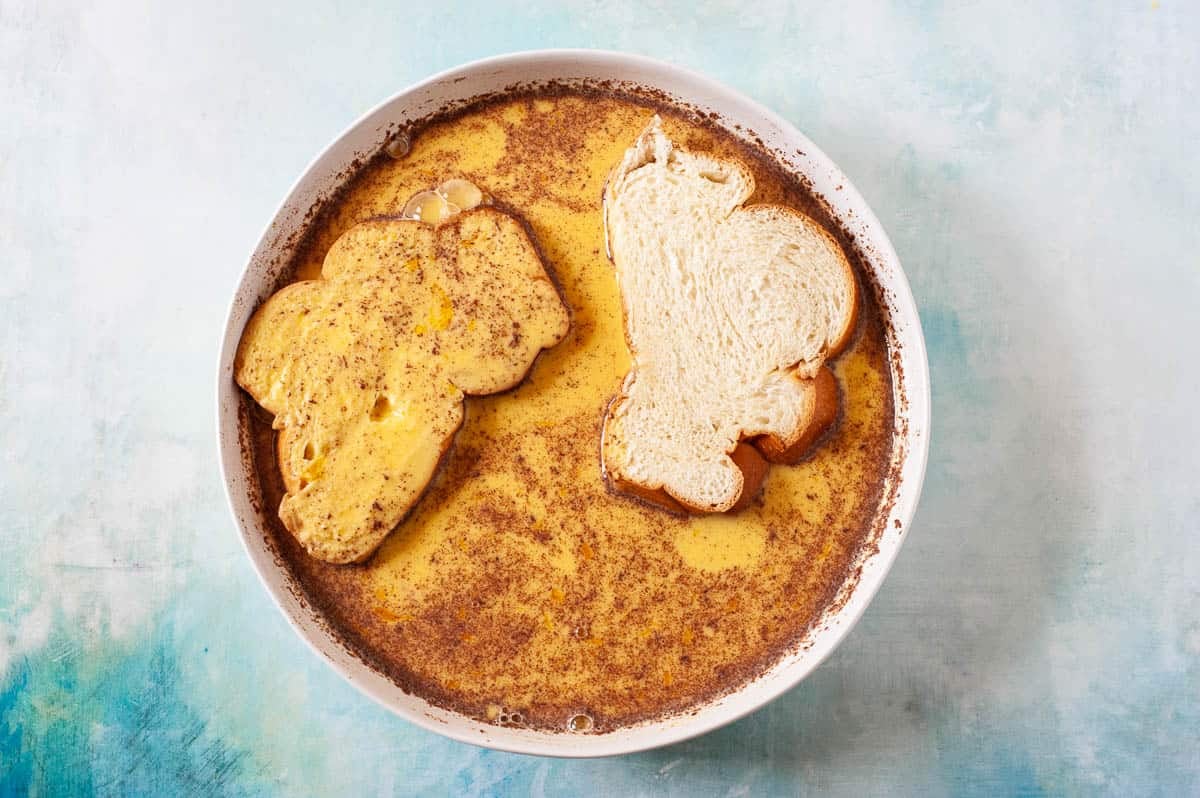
(910, 375)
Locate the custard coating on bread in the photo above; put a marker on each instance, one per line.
(365, 369)
(730, 314)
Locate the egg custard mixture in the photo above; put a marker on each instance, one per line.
(520, 590)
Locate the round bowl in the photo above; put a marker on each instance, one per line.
(910, 375)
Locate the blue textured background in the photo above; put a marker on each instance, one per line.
(1036, 166)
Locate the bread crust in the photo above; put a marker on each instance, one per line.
(754, 472)
(823, 412)
(654, 496)
(843, 340)
(746, 457)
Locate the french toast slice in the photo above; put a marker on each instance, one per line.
(731, 312)
(365, 369)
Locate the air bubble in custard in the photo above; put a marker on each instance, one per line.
(398, 146)
(580, 723)
(461, 193)
(430, 207)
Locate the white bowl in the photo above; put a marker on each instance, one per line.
(910, 375)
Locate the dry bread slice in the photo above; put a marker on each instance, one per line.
(365, 369)
(730, 313)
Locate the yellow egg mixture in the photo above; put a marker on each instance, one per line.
(520, 590)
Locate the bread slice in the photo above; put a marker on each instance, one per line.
(730, 314)
(365, 369)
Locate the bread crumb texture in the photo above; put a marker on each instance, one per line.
(730, 313)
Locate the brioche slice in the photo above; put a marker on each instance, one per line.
(730, 314)
(365, 369)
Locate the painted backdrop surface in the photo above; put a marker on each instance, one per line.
(1037, 168)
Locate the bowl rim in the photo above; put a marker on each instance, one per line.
(790, 669)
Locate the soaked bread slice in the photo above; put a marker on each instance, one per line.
(365, 369)
(730, 313)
